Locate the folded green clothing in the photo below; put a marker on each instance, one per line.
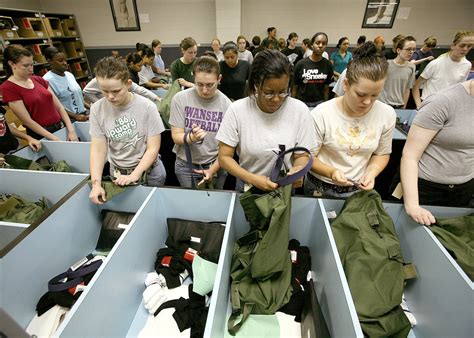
(15, 209)
(41, 164)
(111, 189)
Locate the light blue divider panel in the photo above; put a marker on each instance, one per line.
(67, 235)
(76, 154)
(9, 231)
(442, 296)
(82, 131)
(307, 224)
(33, 185)
(112, 304)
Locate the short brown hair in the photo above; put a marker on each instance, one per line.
(112, 68)
(14, 53)
(430, 42)
(460, 35)
(187, 43)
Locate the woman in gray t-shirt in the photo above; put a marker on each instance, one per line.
(437, 161)
(199, 111)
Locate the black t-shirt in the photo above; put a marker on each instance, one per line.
(234, 79)
(294, 55)
(311, 77)
(256, 50)
(133, 76)
(7, 141)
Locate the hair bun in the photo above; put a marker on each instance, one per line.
(368, 49)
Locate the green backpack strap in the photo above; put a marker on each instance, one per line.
(233, 325)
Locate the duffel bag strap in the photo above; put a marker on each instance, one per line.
(233, 325)
(409, 271)
(289, 179)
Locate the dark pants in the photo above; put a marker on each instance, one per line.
(448, 195)
(52, 128)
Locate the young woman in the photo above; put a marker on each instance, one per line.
(31, 98)
(135, 64)
(182, 68)
(257, 125)
(235, 73)
(424, 55)
(65, 86)
(158, 63)
(199, 111)
(271, 40)
(216, 48)
(447, 70)
(147, 77)
(244, 54)
(401, 75)
(437, 162)
(292, 51)
(341, 57)
(354, 131)
(313, 74)
(126, 128)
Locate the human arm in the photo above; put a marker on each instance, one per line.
(98, 152)
(196, 135)
(337, 176)
(416, 91)
(34, 144)
(417, 140)
(19, 109)
(144, 92)
(71, 133)
(406, 96)
(91, 91)
(419, 61)
(299, 162)
(227, 162)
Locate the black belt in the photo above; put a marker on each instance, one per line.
(322, 186)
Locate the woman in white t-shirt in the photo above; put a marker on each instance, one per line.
(354, 131)
(448, 69)
(244, 54)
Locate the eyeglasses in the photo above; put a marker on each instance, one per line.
(271, 96)
(409, 49)
(207, 85)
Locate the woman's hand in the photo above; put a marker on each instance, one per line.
(71, 136)
(367, 182)
(124, 180)
(339, 178)
(263, 183)
(34, 144)
(97, 194)
(420, 215)
(293, 170)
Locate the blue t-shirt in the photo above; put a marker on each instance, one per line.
(67, 90)
(340, 63)
(159, 63)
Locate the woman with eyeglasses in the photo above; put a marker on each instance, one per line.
(401, 75)
(197, 113)
(259, 124)
(353, 131)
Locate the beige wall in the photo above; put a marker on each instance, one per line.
(171, 20)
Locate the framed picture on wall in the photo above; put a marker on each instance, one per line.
(125, 15)
(380, 13)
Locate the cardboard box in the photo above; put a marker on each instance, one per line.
(74, 49)
(59, 45)
(53, 27)
(6, 25)
(69, 27)
(31, 28)
(76, 69)
(37, 50)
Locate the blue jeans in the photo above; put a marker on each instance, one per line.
(156, 176)
(317, 188)
(181, 170)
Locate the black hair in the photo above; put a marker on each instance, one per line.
(50, 52)
(14, 53)
(341, 40)
(256, 40)
(367, 63)
(290, 36)
(268, 64)
(133, 58)
(361, 39)
(141, 46)
(318, 34)
(270, 29)
(230, 46)
(148, 52)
